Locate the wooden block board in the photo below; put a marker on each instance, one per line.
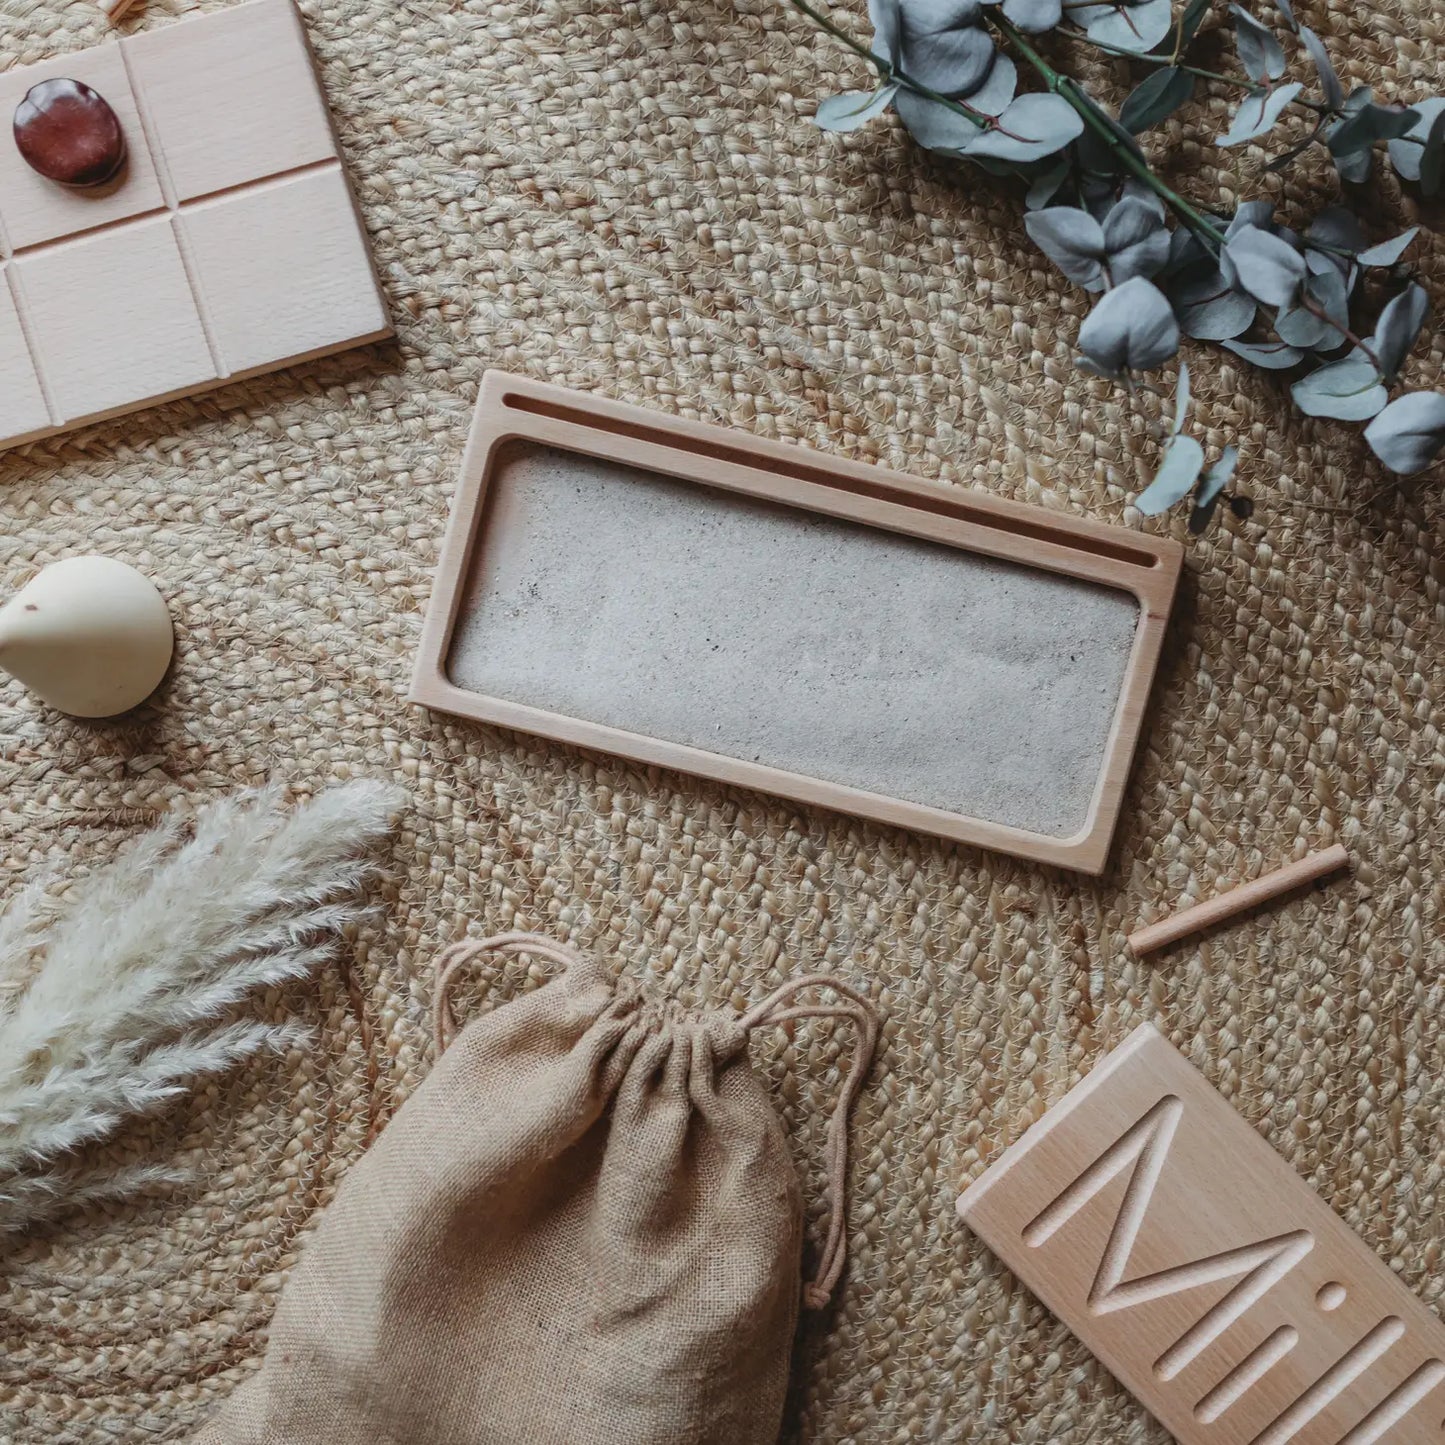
(1203, 1271)
(229, 246)
(589, 541)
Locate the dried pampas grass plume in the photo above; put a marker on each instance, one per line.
(118, 999)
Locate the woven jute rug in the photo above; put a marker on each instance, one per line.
(630, 197)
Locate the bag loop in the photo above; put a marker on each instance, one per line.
(777, 1008)
(456, 958)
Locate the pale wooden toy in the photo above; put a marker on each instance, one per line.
(741, 467)
(90, 636)
(1235, 901)
(1203, 1271)
(228, 246)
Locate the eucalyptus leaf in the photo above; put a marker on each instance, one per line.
(1135, 190)
(1181, 399)
(1046, 185)
(1251, 213)
(932, 124)
(1178, 471)
(1210, 309)
(1185, 250)
(1320, 261)
(1136, 240)
(1268, 355)
(1131, 328)
(1034, 17)
(1216, 478)
(1337, 228)
(1260, 53)
(944, 45)
(1219, 475)
(1156, 98)
(996, 94)
(1096, 159)
(1356, 167)
(887, 18)
(1432, 158)
(1408, 434)
(1368, 124)
(1257, 114)
(1287, 10)
(1398, 327)
(1297, 327)
(1388, 252)
(1072, 239)
(1136, 25)
(1191, 20)
(1034, 126)
(1270, 269)
(1330, 87)
(1407, 151)
(1097, 194)
(1347, 390)
(853, 109)
(1303, 327)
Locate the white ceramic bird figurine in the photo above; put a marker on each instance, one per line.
(91, 636)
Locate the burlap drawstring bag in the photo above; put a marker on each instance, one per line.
(584, 1228)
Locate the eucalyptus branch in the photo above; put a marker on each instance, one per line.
(1128, 157)
(1161, 264)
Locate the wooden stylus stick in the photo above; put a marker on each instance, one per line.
(1238, 900)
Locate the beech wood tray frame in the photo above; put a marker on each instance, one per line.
(512, 409)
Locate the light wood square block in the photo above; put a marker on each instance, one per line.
(282, 269)
(33, 209)
(1203, 1271)
(233, 98)
(22, 402)
(113, 318)
(111, 307)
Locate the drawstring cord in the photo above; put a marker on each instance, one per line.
(777, 1008)
(455, 960)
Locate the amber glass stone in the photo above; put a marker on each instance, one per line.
(68, 132)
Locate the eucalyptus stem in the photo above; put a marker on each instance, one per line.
(823, 23)
(1139, 168)
(1320, 314)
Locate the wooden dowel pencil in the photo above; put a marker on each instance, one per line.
(1239, 900)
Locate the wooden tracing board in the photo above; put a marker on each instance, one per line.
(1203, 1271)
(229, 245)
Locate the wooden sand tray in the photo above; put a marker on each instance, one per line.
(229, 244)
(701, 599)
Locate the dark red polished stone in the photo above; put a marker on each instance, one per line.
(68, 133)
